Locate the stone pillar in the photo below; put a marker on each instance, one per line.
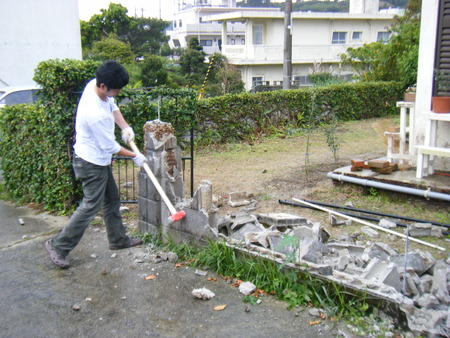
(164, 159)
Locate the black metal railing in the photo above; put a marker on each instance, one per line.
(125, 173)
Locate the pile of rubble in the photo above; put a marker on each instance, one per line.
(416, 282)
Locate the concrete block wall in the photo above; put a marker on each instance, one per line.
(164, 159)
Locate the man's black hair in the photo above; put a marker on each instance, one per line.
(112, 75)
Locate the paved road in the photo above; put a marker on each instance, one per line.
(103, 295)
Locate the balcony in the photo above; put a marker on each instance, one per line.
(264, 54)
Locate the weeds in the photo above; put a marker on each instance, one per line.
(332, 139)
(297, 288)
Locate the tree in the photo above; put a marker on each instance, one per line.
(111, 48)
(396, 60)
(147, 35)
(144, 35)
(223, 77)
(113, 20)
(154, 72)
(192, 63)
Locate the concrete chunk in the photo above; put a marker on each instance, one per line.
(369, 232)
(427, 301)
(383, 272)
(313, 251)
(439, 281)
(381, 251)
(354, 250)
(436, 231)
(249, 227)
(420, 229)
(279, 219)
(343, 263)
(202, 198)
(276, 244)
(241, 220)
(386, 223)
(425, 283)
(247, 288)
(238, 199)
(417, 260)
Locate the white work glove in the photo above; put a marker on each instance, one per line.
(127, 135)
(139, 159)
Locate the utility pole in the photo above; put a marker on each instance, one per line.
(287, 60)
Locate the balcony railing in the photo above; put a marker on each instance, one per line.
(252, 54)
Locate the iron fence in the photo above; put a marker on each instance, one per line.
(126, 176)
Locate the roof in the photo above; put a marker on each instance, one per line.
(243, 15)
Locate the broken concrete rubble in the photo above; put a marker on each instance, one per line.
(376, 269)
(424, 230)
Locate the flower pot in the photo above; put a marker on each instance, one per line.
(441, 104)
(409, 97)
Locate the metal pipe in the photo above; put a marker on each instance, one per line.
(386, 186)
(378, 213)
(445, 233)
(369, 224)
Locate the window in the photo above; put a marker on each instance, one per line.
(257, 80)
(242, 41)
(205, 43)
(357, 36)
(176, 43)
(258, 34)
(20, 96)
(383, 36)
(180, 23)
(174, 23)
(339, 38)
(302, 80)
(233, 42)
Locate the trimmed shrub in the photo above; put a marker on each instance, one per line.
(237, 117)
(36, 140)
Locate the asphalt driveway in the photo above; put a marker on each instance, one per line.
(105, 293)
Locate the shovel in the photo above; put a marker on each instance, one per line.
(175, 215)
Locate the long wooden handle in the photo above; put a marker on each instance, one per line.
(154, 180)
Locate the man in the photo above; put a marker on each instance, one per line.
(95, 144)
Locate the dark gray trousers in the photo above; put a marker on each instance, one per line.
(99, 191)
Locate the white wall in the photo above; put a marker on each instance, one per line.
(32, 31)
(311, 43)
(424, 91)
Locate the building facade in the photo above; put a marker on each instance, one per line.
(317, 39)
(188, 23)
(253, 38)
(34, 31)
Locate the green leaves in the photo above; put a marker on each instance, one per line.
(238, 116)
(36, 140)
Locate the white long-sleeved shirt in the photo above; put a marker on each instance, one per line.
(94, 126)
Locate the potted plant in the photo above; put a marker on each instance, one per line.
(410, 94)
(441, 102)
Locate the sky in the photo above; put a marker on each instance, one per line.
(148, 8)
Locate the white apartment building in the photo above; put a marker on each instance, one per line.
(316, 38)
(253, 39)
(33, 31)
(188, 23)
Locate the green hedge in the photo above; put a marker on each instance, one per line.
(176, 106)
(235, 117)
(36, 140)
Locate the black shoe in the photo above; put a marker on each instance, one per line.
(132, 242)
